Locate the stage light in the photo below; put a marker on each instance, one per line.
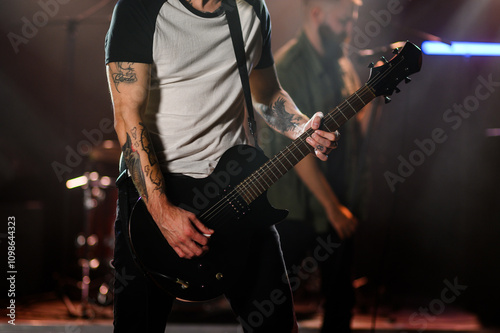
(461, 48)
(94, 263)
(94, 176)
(80, 240)
(103, 289)
(92, 240)
(105, 181)
(76, 182)
(108, 144)
(490, 132)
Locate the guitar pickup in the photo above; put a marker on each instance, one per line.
(238, 205)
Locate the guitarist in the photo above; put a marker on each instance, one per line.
(178, 105)
(325, 199)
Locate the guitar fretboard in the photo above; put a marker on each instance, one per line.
(270, 172)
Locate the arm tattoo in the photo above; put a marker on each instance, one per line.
(148, 148)
(133, 161)
(155, 177)
(126, 74)
(278, 117)
(137, 172)
(156, 180)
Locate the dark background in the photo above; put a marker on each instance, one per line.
(441, 223)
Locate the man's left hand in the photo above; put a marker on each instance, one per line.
(323, 142)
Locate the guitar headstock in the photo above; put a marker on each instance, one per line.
(384, 79)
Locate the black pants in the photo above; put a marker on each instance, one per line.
(262, 298)
(305, 251)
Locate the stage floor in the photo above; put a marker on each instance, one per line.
(52, 314)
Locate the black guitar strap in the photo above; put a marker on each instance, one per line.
(233, 20)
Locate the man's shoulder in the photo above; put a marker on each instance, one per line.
(141, 10)
(138, 4)
(130, 34)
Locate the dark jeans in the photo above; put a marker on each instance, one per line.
(262, 299)
(305, 249)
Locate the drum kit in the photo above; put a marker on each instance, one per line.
(95, 242)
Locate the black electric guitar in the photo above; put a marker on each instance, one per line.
(232, 200)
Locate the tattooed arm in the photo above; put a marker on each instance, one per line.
(279, 111)
(129, 87)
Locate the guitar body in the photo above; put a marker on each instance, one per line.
(218, 206)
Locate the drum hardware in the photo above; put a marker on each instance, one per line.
(94, 244)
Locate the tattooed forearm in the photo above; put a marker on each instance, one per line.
(277, 116)
(157, 179)
(133, 161)
(139, 173)
(154, 174)
(147, 145)
(125, 74)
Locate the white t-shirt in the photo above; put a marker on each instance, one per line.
(196, 109)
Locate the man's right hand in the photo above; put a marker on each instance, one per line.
(184, 232)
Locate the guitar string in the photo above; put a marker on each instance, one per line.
(290, 153)
(246, 184)
(234, 194)
(241, 190)
(254, 177)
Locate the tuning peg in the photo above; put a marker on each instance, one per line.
(371, 65)
(397, 90)
(407, 80)
(396, 50)
(384, 60)
(387, 100)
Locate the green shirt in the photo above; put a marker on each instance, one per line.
(313, 87)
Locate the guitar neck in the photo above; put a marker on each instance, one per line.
(270, 172)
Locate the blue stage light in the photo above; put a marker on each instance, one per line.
(461, 48)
